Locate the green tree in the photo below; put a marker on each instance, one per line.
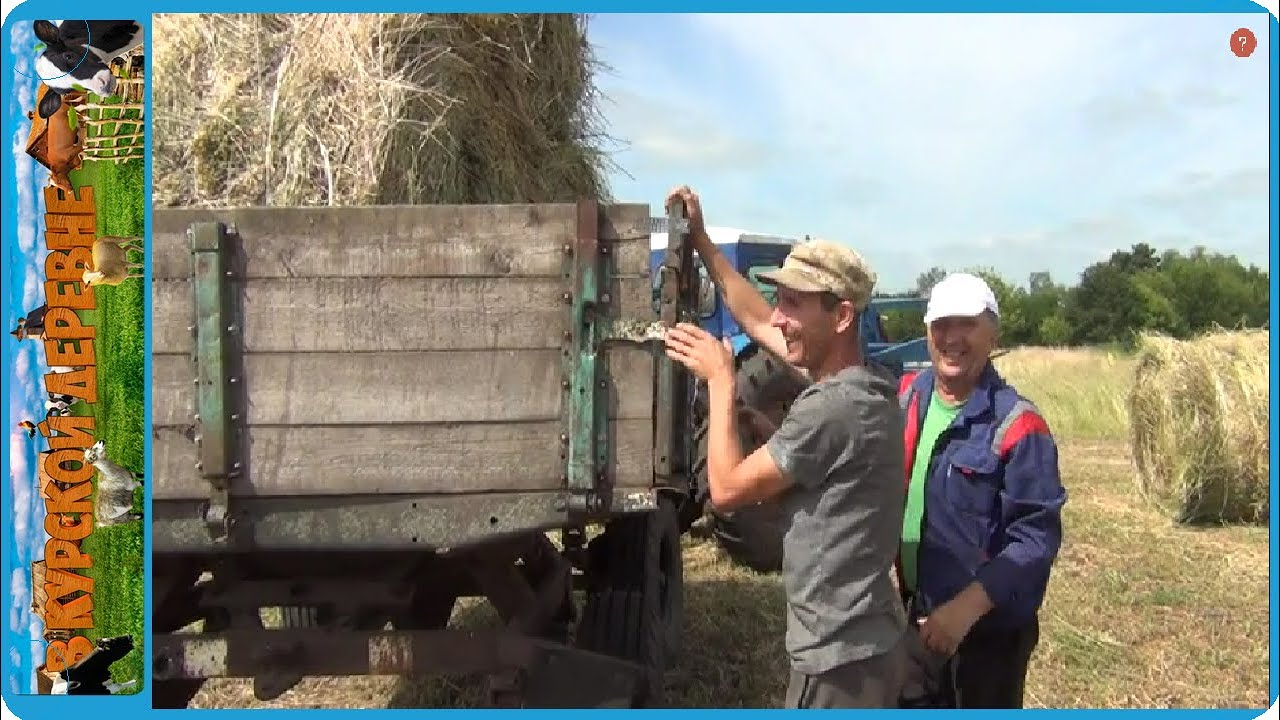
(1054, 330)
(1105, 307)
(927, 279)
(1136, 259)
(1043, 300)
(1011, 298)
(1131, 291)
(1208, 289)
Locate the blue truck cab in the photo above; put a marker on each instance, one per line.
(754, 253)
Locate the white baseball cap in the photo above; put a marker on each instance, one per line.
(960, 295)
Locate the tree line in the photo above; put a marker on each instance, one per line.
(1134, 290)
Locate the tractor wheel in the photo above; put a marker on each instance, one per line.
(752, 535)
(275, 682)
(693, 505)
(634, 607)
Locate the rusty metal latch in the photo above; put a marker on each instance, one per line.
(214, 324)
(585, 419)
(677, 294)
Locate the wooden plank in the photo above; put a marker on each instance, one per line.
(403, 241)
(392, 314)
(378, 459)
(367, 522)
(405, 387)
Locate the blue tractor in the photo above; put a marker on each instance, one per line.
(752, 536)
(754, 253)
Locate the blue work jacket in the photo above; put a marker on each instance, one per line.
(993, 500)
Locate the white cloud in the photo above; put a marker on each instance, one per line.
(26, 96)
(22, 477)
(923, 137)
(40, 208)
(936, 103)
(39, 648)
(25, 403)
(28, 220)
(22, 368)
(20, 596)
(32, 289)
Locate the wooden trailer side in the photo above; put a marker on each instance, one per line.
(401, 351)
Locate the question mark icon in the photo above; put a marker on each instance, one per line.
(1243, 42)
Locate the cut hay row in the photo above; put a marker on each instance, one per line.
(319, 109)
(1198, 412)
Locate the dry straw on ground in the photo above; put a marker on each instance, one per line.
(359, 109)
(1199, 421)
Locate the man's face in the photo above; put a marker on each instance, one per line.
(959, 346)
(809, 329)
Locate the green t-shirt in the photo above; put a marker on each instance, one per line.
(937, 419)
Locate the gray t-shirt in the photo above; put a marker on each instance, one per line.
(841, 447)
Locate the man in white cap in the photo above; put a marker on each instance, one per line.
(982, 525)
(834, 465)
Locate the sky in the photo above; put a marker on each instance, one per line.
(1023, 143)
(24, 271)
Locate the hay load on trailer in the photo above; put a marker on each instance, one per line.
(374, 109)
(400, 336)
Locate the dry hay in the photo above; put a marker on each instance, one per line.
(1199, 425)
(360, 109)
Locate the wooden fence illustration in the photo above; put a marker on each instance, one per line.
(114, 131)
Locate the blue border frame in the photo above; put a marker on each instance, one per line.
(27, 706)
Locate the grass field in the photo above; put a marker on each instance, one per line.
(1140, 612)
(119, 412)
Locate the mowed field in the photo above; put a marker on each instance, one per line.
(119, 414)
(1140, 612)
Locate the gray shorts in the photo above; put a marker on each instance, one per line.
(875, 682)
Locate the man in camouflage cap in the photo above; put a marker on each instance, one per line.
(834, 464)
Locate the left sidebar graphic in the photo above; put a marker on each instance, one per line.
(75, 300)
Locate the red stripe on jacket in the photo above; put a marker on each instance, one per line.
(1028, 423)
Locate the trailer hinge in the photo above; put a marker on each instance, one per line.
(215, 328)
(585, 408)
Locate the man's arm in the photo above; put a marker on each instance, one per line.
(1033, 490)
(744, 302)
(801, 452)
(734, 480)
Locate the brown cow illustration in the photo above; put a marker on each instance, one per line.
(53, 143)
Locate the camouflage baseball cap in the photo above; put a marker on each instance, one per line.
(825, 266)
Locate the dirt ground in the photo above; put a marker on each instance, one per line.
(1140, 613)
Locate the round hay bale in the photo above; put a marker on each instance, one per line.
(1198, 412)
(372, 109)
